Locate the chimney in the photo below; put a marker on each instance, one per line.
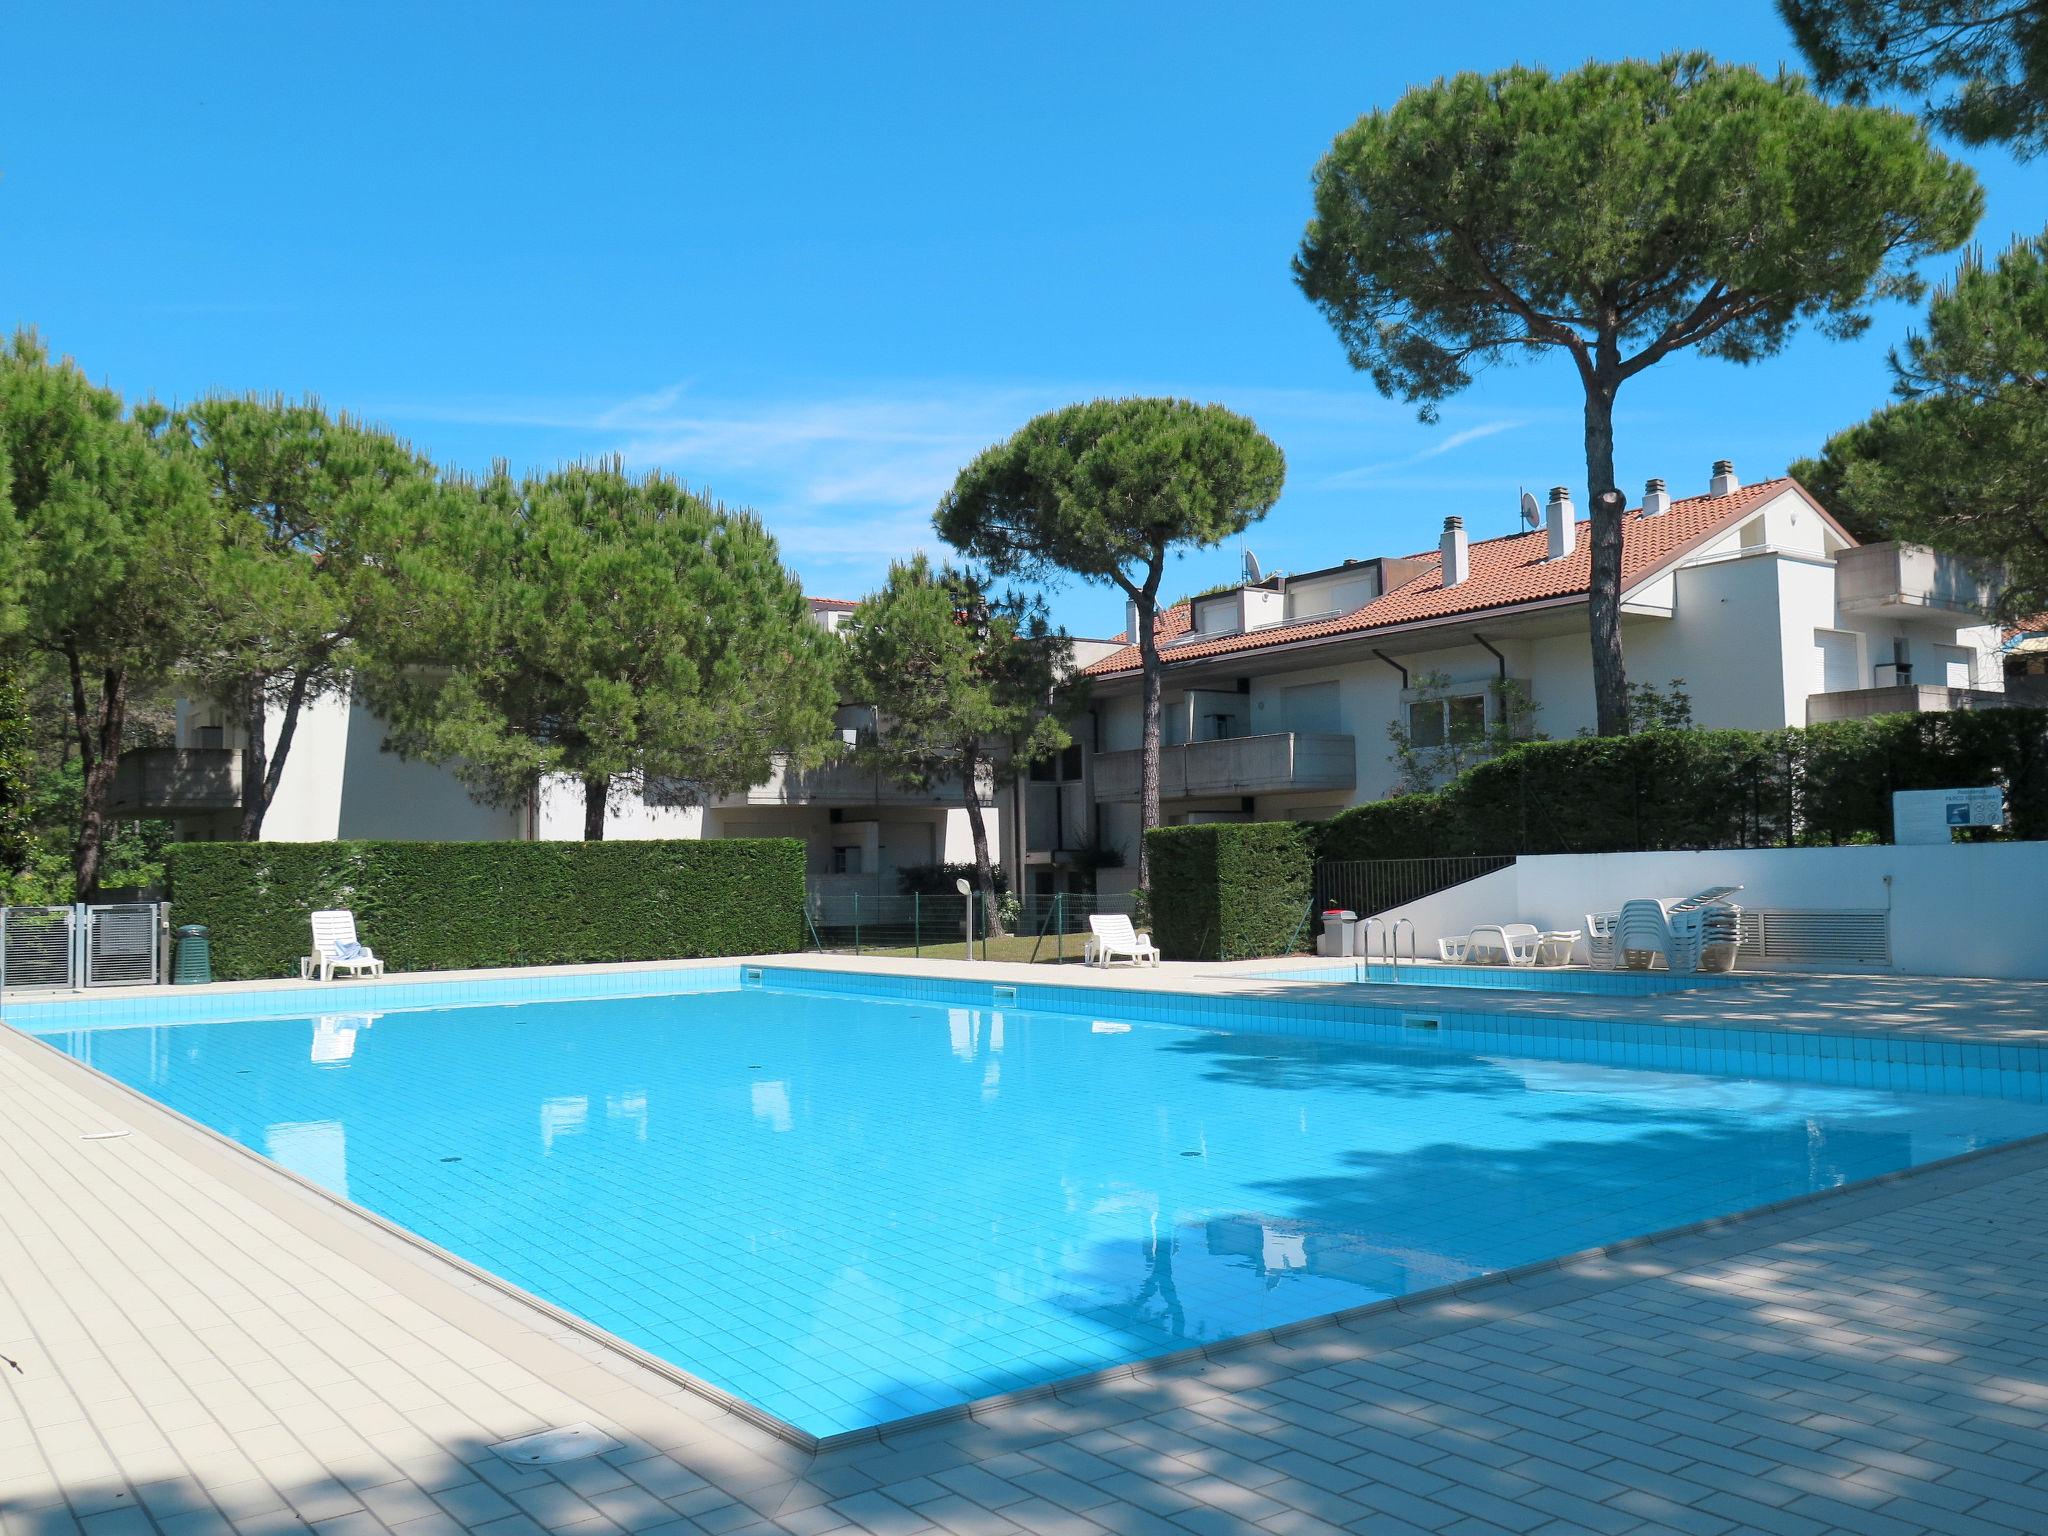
(1131, 620)
(1656, 500)
(1457, 563)
(1558, 522)
(1724, 482)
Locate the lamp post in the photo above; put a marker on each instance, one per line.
(967, 901)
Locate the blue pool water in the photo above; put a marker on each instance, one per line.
(850, 1209)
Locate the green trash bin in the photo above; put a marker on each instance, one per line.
(194, 965)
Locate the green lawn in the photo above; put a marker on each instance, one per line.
(1013, 947)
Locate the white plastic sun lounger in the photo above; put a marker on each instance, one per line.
(333, 933)
(1503, 944)
(1113, 938)
(1680, 930)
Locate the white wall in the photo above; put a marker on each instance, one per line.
(627, 819)
(1965, 909)
(384, 796)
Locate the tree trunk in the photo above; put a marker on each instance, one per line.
(984, 869)
(255, 763)
(597, 790)
(99, 749)
(1603, 601)
(1154, 670)
(287, 728)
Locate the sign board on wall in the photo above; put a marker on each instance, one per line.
(1930, 815)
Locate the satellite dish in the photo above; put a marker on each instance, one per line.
(1252, 574)
(1532, 514)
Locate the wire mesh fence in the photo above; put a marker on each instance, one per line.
(1033, 929)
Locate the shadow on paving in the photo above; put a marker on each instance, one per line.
(1866, 1365)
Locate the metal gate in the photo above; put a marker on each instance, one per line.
(119, 945)
(38, 947)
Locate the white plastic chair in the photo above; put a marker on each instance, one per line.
(1676, 928)
(1516, 942)
(331, 930)
(1600, 930)
(1113, 936)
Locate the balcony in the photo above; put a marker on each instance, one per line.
(1899, 699)
(177, 781)
(840, 783)
(1242, 765)
(1875, 578)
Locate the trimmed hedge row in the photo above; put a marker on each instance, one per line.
(1823, 784)
(1228, 890)
(457, 906)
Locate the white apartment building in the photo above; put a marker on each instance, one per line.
(340, 782)
(1279, 693)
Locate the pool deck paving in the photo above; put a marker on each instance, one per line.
(195, 1344)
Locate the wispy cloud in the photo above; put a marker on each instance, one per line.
(1369, 474)
(848, 481)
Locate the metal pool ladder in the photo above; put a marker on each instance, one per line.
(1390, 944)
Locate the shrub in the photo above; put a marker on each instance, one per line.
(938, 879)
(454, 906)
(1665, 789)
(1227, 890)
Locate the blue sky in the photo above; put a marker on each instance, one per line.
(814, 257)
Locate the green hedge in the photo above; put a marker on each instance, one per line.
(1709, 789)
(457, 906)
(1227, 890)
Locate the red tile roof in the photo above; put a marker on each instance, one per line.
(831, 605)
(1505, 573)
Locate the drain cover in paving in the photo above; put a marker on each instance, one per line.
(572, 1442)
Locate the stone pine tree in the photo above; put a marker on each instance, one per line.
(1960, 459)
(963, 685)
(1106, 491)
(1618, 214)
(622, 632)
(1991, 55)
(112, 535)
(17, 780)
(301, 497)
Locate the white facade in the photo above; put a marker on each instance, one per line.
(1776, 619)
(340, 782)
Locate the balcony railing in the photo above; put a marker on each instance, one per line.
(1241, 765)
(1879, 576)
(841, 783)
(177, 781)
(1901, 699)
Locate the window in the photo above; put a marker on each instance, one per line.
(1441, 722)
(846, 861)
(212, 736)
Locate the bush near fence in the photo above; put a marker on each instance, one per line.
(457, 906)
(1228, 890)
(1820, 785)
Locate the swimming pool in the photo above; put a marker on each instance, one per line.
(845, 1206)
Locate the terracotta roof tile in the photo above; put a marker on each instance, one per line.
(831, 604)
(1505, 573)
